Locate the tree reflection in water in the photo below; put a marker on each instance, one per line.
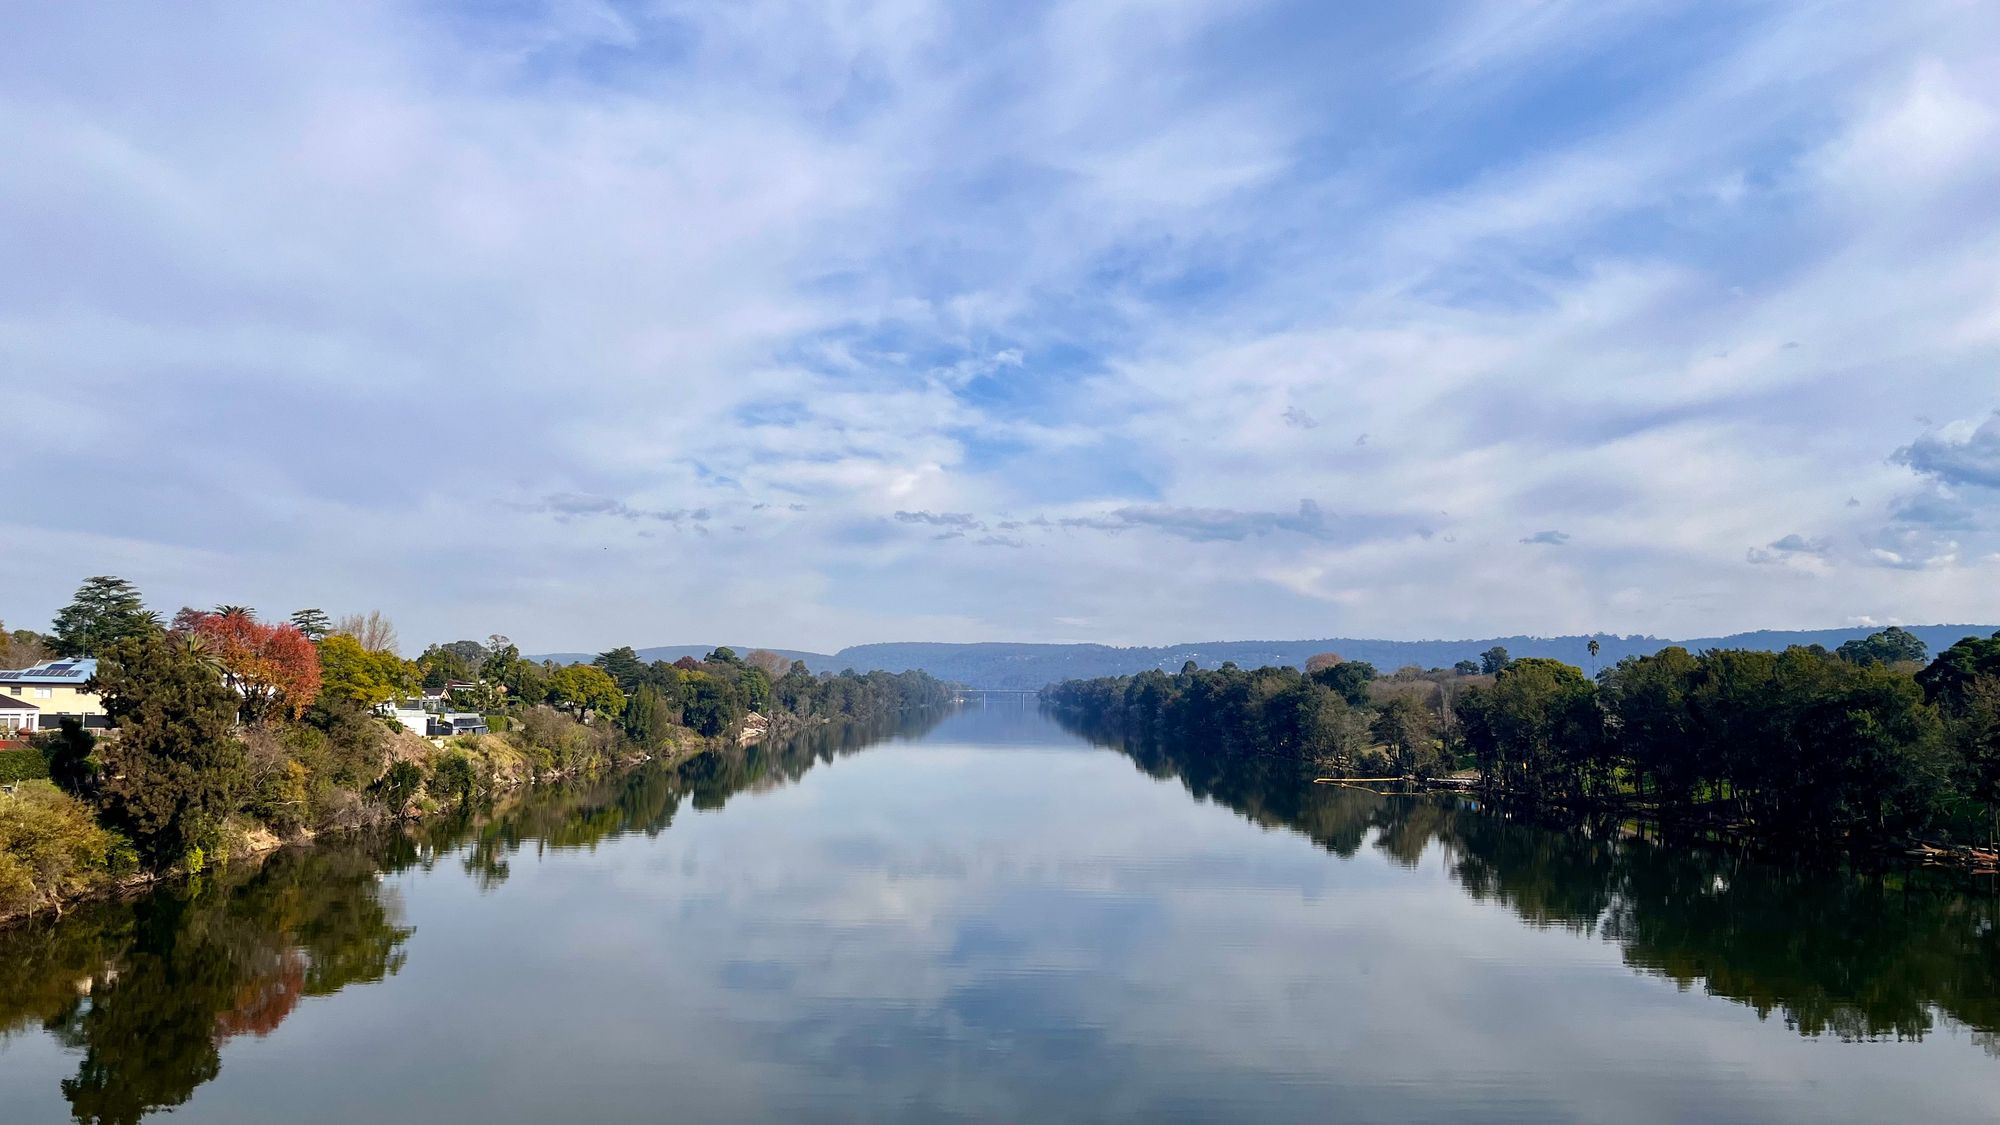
(150, 988)
(1834, 951)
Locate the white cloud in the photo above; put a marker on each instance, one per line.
(300, 286)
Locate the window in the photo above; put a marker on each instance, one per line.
(44, 692)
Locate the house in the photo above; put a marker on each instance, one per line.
(420, 721)
(40, 697)
(458, 722)
(17, 716)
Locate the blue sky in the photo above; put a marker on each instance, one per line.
(819, 323)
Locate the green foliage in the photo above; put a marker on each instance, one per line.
(353, 673)
(648, 718)
(314, 623)
(1949, 680)
(584, 688)
(22, 765)
(1494, 660)
(50, 847)
(1277, 712)
(105, 610)
(399, 785)
(453, 776)
(623, 666)
(1350, 679)
(1890, 646)
(1802, 745)
(170, 776)
(71, 754)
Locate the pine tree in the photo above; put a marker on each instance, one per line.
(105, 610)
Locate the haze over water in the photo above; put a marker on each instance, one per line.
(991, 919)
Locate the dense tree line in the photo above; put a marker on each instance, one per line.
(1340, 716)
(1804, 745)
(224, 726)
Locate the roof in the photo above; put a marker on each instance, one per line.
(10, 703)
(72, 672)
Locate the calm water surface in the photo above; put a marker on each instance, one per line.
(991, 919)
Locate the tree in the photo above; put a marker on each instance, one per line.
(1647, 698)
(268, 666)
(648, 718)
(372, 629)
(1321, 660)
(770, 663)
(1494, 660)
(723, 655)
(1948, 678)
(1350, 679)
(1893, 645)
(1408, 731)
(351, 672)
(23, 648)
(1466, 667)
(1594, 648)
(71, 753)
(169, 778)
(314, 623)
(585, 687)
(443, 664)
(1538, 730)
(399, 785)
(105, 610)
(623, 666)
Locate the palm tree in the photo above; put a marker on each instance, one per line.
(236, 611)
(1594, 648)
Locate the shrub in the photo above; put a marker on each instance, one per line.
(22, 765)
(399, 786)
(50, 846)
(452, 777)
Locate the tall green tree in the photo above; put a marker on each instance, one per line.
(623, 666)
(314, 623)
(105, 610)
(169, 777)
(648, 718)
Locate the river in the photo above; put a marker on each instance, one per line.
(985, 917)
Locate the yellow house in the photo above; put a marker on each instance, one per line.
(39, 698)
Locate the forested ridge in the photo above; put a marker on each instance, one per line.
(1870, 742)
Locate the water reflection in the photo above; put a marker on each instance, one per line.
(1001, 923)
(1837, 952)
(149, 989)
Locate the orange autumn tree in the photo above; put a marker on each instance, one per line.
(269, 666)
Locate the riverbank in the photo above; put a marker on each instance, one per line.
(499, 769)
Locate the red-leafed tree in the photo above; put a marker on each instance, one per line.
(269, 666)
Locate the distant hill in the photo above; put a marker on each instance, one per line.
(1003, 665)
(671, 653)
